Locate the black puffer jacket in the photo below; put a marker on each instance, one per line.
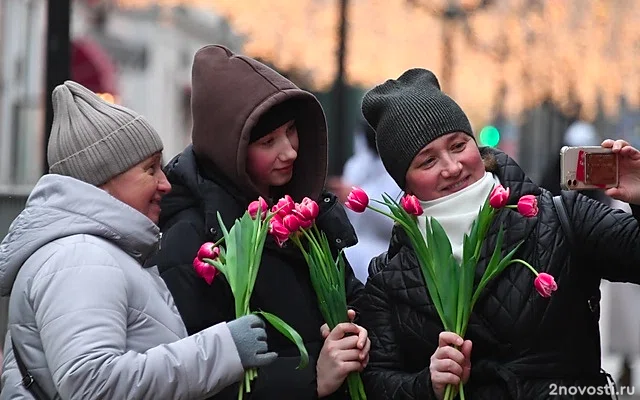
(524, 346)
(283, 286)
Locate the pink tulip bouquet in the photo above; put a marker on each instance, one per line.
(296, 222)
(450, 284)
(239, 260)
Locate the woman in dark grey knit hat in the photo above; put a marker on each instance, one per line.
(518, 345)
(87, 320)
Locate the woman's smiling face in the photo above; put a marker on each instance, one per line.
(141, 187)
(446, 165)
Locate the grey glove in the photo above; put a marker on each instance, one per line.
(251, 341)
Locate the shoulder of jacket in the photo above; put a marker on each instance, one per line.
(82, 250)
(192, 216)
(78, 243)
(378, 263)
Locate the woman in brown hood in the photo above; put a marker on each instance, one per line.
(256, 134)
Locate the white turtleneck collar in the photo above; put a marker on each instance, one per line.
(457, 211)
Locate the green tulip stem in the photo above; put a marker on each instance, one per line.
(526, 264)
(448, 392)
(382, 212)
(328, 281)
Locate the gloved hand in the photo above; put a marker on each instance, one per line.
(251, 341)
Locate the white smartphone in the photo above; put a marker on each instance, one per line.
(588, 167)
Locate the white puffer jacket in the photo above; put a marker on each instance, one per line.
(88, 320)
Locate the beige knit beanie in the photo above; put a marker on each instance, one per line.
(93, 140)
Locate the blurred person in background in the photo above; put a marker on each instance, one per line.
(87, 320)
(366, 171)
(519, 344)
(257, 134)
(620, 324)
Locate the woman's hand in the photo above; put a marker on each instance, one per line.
(628, 189)
(345, 350)
(449, 365)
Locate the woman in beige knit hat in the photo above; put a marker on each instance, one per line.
(86, 319)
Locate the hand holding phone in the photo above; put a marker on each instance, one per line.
(588, 167)
(628, 189)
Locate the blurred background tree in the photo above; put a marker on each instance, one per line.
(532, 50)
(500, 59)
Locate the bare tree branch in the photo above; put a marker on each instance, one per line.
(451, 11)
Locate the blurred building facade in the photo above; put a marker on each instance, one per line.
(140, 58)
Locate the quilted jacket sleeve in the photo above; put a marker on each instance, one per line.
(12, 387)
(385, 377)
(192, 295)
(612, 237)
(81, 306)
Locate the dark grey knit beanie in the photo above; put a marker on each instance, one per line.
(408, 114)
(93, 140)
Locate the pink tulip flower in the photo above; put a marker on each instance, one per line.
(291, 222)
(498, 197)
(208, 250)
(305, 223)
(279, 231)
(306, 212)
(205, 270)
(411, 205)
(545, 284)
(260, 204)
(284, 206)
(357, 200)
(528, 205)
(307, 209)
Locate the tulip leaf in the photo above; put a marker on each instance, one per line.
(447, 278)
(468, 248)
(394, 207)
(490, 270)
(243, 230)
(449, 292)
(440, 241)
(485, 217)
(239, 262)
(466, 290)
(341, 274)
(427, 268)
(290, 334)
(327, 277)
